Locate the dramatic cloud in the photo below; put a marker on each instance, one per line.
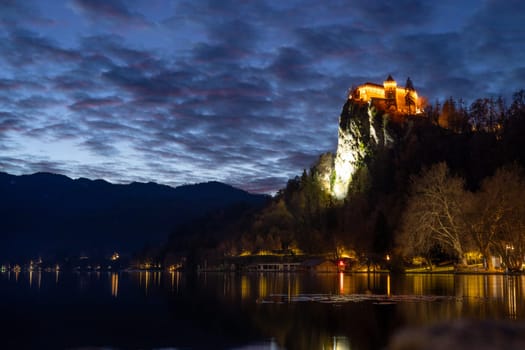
(247, 93)
(109, 10)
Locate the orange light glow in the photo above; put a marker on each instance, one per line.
(114, 284)
(370, 91)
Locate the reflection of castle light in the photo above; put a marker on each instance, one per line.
(175, 279)
(146, 280)
(114, 284)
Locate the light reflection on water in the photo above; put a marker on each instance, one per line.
(267, 302)
(471, 288)
(114, 284)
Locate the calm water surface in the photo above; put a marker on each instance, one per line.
(159, 310)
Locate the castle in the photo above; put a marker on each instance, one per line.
(389, 96)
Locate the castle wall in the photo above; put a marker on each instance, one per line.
(369, 91)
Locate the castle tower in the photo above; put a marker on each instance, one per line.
(409, 85)
(390, 86)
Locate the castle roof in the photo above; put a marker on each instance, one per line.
(410, 85)
(390, 78)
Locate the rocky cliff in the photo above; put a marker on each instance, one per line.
(363, 129)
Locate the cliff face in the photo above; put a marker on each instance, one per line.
(362, 130)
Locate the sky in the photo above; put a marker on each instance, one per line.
(243, 92)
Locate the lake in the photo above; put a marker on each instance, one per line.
(162, 310)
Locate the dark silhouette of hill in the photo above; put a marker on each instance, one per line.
(47, 214)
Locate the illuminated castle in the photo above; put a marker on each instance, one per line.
(389, 96)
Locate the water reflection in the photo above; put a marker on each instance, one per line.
(144, 275)
(114, 284)
(338, 343)
(470, 289)
(269, 304)
(175, 280)
(471, 296)
(245, 287)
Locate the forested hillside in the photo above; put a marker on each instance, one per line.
(478, 151)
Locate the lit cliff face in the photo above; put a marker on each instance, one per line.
(362, 130)
(351, 147)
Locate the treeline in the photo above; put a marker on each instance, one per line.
(473, 146)
(487, 114)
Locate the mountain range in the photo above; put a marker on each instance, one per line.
(53, 215)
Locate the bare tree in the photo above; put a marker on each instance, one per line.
(485, 213)
(434, 214)
(503, 218)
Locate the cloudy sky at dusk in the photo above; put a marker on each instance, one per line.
(243, 92)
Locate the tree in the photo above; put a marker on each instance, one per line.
(496, 217)
(502, 221)
(434, 215)
(514, 129)
(517, 108)
(453, 116)
(273, 227)
(483, 218)
(487, 114)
